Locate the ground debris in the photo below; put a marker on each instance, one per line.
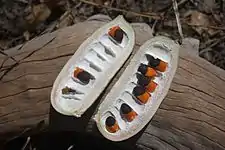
(200, 22)
(39, 13)
(23, 20)
(207, 6)
(65, 20)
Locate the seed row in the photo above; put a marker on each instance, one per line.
(146, 74)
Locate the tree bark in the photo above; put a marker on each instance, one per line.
(192, 116)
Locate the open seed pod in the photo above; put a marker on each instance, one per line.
(92, 66)
(136, 96)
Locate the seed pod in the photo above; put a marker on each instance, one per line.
(140, 93)
(98, 62)
(136, 91)
(82, 75)
(128, 112)
(111, 124)
(116, 33)
(146, 70)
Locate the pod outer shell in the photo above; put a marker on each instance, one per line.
(110, 101)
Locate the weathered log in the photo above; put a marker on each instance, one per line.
(190, 117)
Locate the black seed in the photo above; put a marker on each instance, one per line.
(143, 80)
(152, 61)
(149, 57)
(138, 90)
(84, 77)
(118, 35)
(143, 68)
(125, 109)
(110, 121)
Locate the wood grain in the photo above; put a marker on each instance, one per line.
(192, 116)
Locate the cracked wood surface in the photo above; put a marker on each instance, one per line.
(192, 116)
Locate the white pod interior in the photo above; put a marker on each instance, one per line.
(159, 47)
(101, 57)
